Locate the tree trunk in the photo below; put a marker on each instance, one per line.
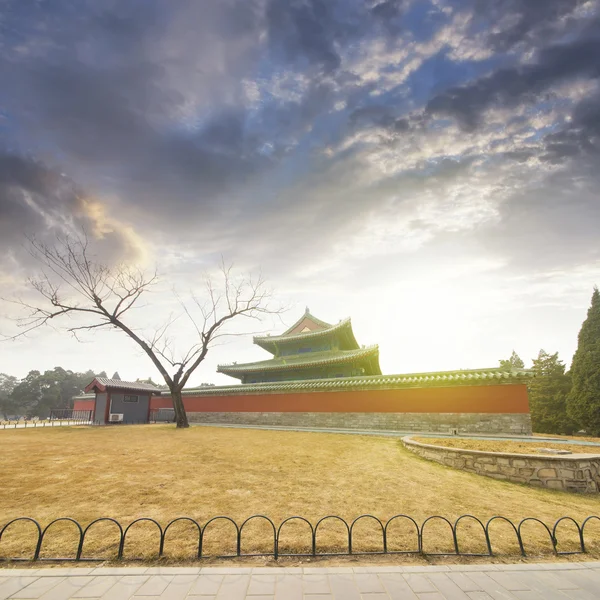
(180, 414)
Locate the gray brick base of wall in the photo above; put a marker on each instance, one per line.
(575, 473)
(512, 424)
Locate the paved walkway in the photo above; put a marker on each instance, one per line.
(400, 434)
(546, 581)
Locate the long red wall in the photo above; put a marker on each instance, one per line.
(506, 398)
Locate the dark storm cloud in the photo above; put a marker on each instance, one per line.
(523, 84)
(212, 119)
(526, 21)
(30, 196)
(302, 30)
(37, 201)
(580, 137)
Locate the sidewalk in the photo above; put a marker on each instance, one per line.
(545, 581)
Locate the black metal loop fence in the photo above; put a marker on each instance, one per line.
(418, 534)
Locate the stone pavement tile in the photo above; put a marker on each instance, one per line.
(396, 587)
(97, 587)
(466, 584)
(554, 580)
(546, 588)
(551, 566)
(289, 587)
(261, 597)
(233, 587)
(228, 570)
(427, 569)
(119, 571)
(519, 567)
(18, 572)
(467, 568)
(580, 595)
(528, 595)
(385, 569)
(431, 596)
(11, 585)
(446, 586)
(369, 596)
(319, 597)
(479, 596)
(179, 587)
(262, 585)
(172, 571)
(315, 584)
(491, 587)
(419, 583)
(368, 583)
(339, 570)
(203, 597)
(155, 585)
(206, 585)
(265, 570)
(66, 588)
(510, 581)
(38, 587)
(65, 572)
(314, 570)
(588, 580)
(125, 587)
(343, 587)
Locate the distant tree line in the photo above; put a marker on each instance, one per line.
(37, 393)
(564, 401)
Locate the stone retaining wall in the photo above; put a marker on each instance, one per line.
(485, 423)
(574, 473)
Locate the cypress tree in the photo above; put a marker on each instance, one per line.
(583, 403)
(514, 362)
(548, 393)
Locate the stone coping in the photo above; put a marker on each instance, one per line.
(550, 457)
(116, 571)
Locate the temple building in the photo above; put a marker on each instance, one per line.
(309, 349)
(319, 377)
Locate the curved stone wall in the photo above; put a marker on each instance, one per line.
(573, 473)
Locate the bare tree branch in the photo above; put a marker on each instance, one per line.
(73, 283)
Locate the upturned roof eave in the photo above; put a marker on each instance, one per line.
(491, 376)
(276, 364)
(103, 384)
(309, 315)
(266, 341)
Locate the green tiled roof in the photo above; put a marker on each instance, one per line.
(307, 315)
(310, 359)
(296, 337)
(492, 376)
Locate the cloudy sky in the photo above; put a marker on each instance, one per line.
(428, 167)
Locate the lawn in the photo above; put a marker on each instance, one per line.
(126, 472)
(516, 447)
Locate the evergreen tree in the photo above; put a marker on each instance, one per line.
(583, 403)
(7, 385)
(38, 393)
(548, 393)
(514, 362)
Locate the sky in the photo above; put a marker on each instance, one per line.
(429, 168)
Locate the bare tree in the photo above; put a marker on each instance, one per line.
(72, 282)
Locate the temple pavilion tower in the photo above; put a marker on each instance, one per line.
(309, 349)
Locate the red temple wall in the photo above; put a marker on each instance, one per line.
(498, 399)
(84, 404)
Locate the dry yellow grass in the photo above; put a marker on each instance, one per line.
(515, 447)
(157, 471)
